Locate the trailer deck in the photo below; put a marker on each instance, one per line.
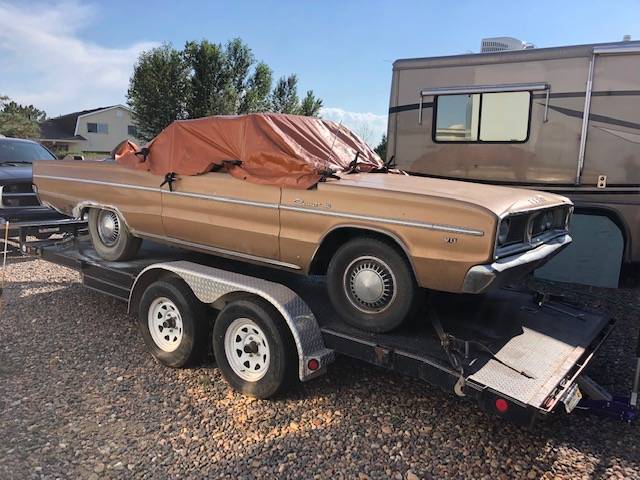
(504, 345)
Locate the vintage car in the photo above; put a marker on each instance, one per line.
(378, 235)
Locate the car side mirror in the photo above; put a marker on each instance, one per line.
(78, 157)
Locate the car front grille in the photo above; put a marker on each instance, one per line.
(18, 195)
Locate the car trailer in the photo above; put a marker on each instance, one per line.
(519, 354)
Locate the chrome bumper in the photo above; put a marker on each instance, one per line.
(482, 277)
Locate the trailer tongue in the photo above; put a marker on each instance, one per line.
(517, 353)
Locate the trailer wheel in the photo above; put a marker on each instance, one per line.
(371, 285)
(110, 236)
(253, 348)
(173, 323)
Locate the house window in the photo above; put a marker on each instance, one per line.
(482, 117)
(98, 128)
(132, 130)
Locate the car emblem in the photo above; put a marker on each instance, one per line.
(537, 200)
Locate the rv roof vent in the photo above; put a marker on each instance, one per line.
(626, 38)
(500, 44)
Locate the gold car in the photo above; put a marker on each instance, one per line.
(378, 237)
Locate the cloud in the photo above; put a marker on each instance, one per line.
(369, 126)
(45, 61)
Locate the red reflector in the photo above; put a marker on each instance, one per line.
(313, 364)
(502, 405)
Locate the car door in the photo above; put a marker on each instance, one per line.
(222, 214)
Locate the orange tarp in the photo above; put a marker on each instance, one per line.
(286, 150)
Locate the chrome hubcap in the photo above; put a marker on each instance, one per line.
(165, 324)
(370, 284)
(108, 227)
(247, 350)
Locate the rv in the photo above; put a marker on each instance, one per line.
(564, 120)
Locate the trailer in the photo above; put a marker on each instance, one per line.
(518, 354)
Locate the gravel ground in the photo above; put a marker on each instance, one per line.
(80, 398)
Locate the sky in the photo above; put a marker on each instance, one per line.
(64, 56)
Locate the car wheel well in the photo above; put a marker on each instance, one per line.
(338, 237)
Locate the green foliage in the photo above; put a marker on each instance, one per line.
(19, 121)
(284, 98)
(158, 90)
(311, 105)
(29, 111)
(208, 79)
(256, 98)
(207, 83)
(381, 149)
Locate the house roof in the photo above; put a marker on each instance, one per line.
(64, 127)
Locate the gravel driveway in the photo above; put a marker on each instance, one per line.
(80, 398)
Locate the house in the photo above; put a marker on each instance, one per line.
(97, 130)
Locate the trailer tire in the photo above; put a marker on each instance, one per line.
(371, 285)
(173, 323)
(253, 348)
(110, 236)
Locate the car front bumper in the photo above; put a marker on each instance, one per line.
(481, 278)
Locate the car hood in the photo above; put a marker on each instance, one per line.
(500, 200)
(10, 173)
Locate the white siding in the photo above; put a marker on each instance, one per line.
(117, 120)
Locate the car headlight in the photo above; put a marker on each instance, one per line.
(503, 231)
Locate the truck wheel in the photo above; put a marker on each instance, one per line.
(110, 236)
(253, 348)
(371, 284)
(173, 323)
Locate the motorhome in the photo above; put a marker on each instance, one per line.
(564, 120)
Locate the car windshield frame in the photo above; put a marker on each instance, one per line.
(24, 152)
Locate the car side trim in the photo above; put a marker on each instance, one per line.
(221, 251)
(99, 182)
(237, 201)
(351, 216)
(391, 221)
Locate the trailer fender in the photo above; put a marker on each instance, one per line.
(212, 284)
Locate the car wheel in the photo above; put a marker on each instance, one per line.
(110, 236)
(173, 323)
(371, 284)
(253, 348)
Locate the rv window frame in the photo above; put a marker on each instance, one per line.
(494, 142)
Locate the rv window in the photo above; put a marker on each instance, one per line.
(485, 117)
(505, 117)
(457, 118)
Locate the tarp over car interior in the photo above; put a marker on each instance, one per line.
(276, 149)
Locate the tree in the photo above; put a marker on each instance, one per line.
(208, 79)
(284, 98)
(158, 90)
(381, 149)
(29, 111)
(221, 82)
(256, 98)
(311, 105)
(207, 82)
(19, 121)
